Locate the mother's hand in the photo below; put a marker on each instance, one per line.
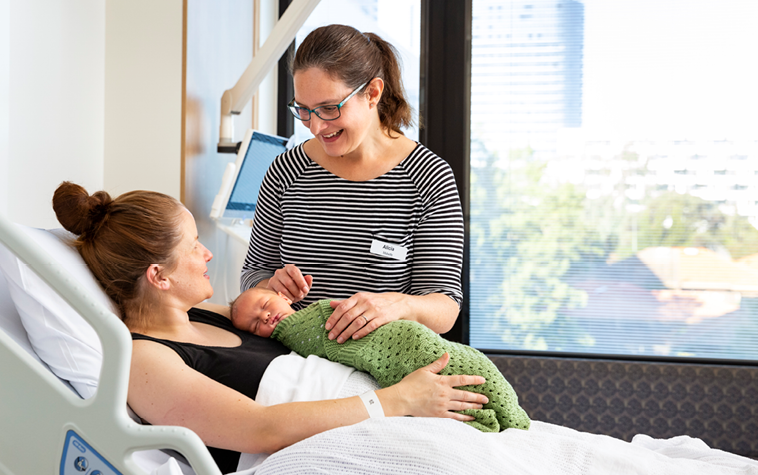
(363, 313)
(427, 394)
(290, 282)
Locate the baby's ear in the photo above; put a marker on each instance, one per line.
(289, 302)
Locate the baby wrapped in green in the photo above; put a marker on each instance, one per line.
(398, 348)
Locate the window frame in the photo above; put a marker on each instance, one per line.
(447, 29)
(445, 124)
(285, 88)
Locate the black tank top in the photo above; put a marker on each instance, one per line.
(240, 368)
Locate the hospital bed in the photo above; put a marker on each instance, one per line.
(66, 412)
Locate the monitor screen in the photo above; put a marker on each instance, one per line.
(260, 152)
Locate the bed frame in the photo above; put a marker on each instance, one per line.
(44, 423)
(715, 403)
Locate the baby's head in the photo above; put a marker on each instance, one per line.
(259, 311)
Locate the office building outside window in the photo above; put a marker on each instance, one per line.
(614, 177)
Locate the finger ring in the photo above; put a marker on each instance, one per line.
(364, 317)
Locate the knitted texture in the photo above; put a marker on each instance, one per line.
(303, 331)
(398, 348)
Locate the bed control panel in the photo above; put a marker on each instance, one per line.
(79, 458)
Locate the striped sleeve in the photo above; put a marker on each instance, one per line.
(438, 240)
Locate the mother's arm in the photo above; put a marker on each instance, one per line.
(164, 390)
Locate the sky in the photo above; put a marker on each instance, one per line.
(673, 69)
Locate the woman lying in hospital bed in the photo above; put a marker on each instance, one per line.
(416, 445)
(190, 366)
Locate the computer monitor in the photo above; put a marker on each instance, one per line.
(242, 179)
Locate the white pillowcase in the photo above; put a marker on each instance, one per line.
(10, 322)
(58, 334)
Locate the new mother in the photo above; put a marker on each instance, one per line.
(360, 213)
(190, 366)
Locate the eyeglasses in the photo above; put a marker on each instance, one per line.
(328, 112)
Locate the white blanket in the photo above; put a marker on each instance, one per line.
(441, 446)
(292, 378)
(404, 445)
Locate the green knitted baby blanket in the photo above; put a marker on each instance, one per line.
(398, 348)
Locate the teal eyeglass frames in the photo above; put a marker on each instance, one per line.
(328, 112)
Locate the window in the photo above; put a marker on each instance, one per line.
(572, 103)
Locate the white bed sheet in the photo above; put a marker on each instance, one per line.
(406, 445)
(424, 446)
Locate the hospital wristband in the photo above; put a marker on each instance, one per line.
(373, 406)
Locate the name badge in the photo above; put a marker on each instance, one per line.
(388, 250)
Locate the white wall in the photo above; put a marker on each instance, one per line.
(143, 95)
(219, 48)
(5, 51)
(52, 61)
(90, 92)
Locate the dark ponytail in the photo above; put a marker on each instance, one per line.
(354, 58)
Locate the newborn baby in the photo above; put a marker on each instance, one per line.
(389, 353)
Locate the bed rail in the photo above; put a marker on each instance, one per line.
(38, 413)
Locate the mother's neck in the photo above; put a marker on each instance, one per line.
(162, 320)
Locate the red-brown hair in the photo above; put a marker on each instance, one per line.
(119, 239)
(353, 57)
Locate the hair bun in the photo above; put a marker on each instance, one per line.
(77, 211)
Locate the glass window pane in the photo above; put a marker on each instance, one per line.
(614, 177)
(396, 21)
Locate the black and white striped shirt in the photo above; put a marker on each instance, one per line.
(326, 226)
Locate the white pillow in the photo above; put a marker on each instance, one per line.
(10, 322)
(58, 334)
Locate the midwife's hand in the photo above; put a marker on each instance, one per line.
(363, 313)
(291, 282)
(427, 394)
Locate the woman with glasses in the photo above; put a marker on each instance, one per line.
(360, 213)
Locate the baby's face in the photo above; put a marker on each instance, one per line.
(259, 311)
